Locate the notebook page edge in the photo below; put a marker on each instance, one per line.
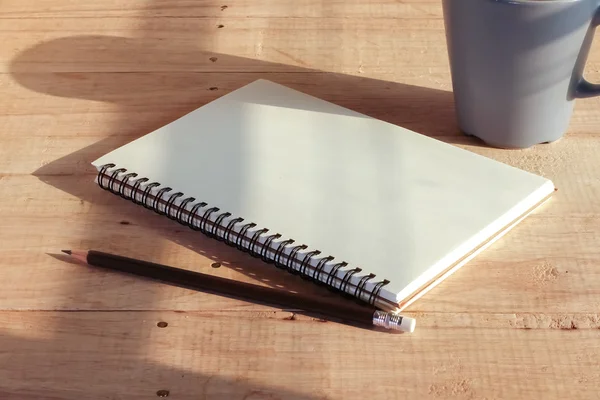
(438, 273)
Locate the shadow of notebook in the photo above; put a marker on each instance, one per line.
(368, 208)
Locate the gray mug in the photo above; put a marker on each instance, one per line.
(517, 66)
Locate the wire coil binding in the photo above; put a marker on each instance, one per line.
(198, 218)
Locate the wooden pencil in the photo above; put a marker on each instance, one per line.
(350, 312)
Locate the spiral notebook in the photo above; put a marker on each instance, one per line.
(362, 206)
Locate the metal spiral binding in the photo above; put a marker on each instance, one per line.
(199, 219)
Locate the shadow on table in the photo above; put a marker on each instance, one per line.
(80, 362)
(141, 74)
(152, 80)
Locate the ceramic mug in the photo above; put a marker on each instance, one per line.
(517, 66)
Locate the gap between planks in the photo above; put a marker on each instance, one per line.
(429, 320)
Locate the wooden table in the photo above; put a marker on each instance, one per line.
(81, 77)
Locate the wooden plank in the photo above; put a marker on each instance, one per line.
(171, 44)
(251, 356)
(132, 104)
(115, 103)
(549, 263)
(178, 93)
(236, 8)
(281, 44)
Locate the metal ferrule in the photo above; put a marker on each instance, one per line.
(387, 320)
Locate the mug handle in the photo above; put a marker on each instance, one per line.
(584, 88)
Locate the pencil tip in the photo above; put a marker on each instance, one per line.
(66, 252)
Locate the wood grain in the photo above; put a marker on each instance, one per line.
(233, 355)
(406, 9)
(77, 45)
(80, 78)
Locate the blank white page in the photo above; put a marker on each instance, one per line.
(391, 201)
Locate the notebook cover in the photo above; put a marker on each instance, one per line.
(398, 204)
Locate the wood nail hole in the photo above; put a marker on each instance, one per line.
(213, 88)
(220, 26)
(215, 265)
(162, 393)
(125, 222)
(213, 59)
(162, 324)
(223, 8)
